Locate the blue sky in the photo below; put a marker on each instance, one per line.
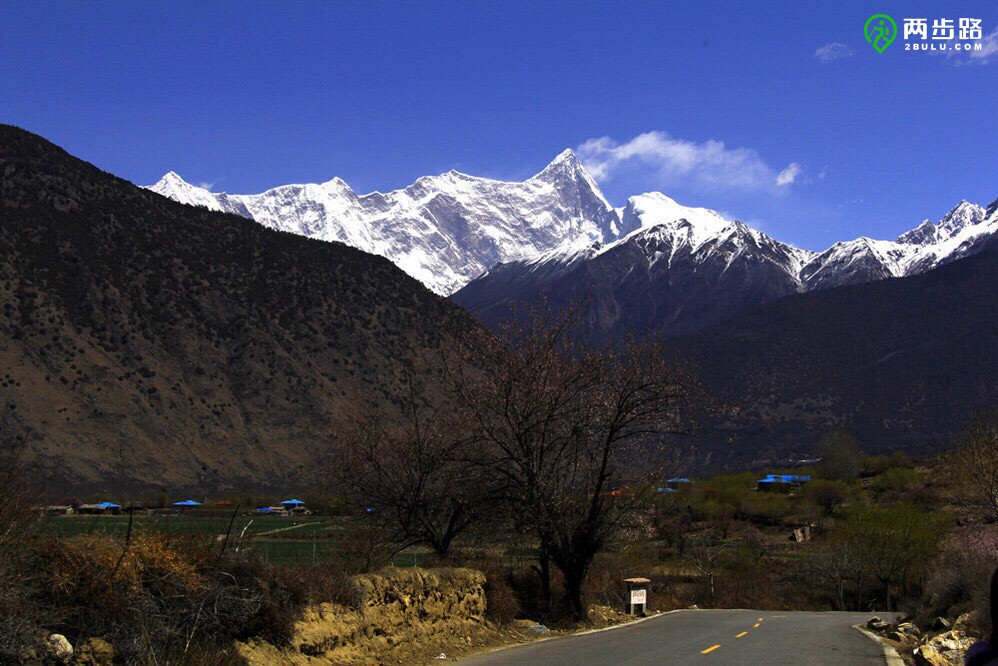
(707, 101)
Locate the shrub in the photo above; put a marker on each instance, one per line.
(502, 605)
(962, 573)
(156, 598)
(895, 480)
(827, 495)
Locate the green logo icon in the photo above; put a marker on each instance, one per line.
(880, 30)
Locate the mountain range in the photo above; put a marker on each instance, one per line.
(152, 345)
(442, 230)
(651, 265)
(684, 269)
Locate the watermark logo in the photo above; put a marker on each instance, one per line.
(946, 35)
(880, 30)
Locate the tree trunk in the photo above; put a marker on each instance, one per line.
(574, 580)
(543, 569)
(442, 546)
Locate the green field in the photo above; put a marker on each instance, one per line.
(280, 540)
(187, 525)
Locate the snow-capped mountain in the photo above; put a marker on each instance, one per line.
(442, 230)
(960, 233)
(679, 269)
(683, 268)
(555, 235)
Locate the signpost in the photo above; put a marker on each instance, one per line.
(636, 600)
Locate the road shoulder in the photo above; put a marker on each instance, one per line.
(890, 654)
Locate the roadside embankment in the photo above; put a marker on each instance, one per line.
(401, 615)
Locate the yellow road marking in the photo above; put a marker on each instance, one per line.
(760, 619)
(755, 626)
(741, 634)
(710, 649)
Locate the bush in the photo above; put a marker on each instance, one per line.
(827, 495)
(502, 605)
(961, 575)
(156, 598)
(895, 479)
(328, 582)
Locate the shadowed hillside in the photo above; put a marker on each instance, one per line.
(903, 363)
(149, 344)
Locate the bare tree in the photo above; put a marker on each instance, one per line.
(412, 474)
(835, 565)
(976, 463)
(840, 456)
(569, 434)
(704, 553)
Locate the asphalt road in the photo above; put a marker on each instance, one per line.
(711, 638)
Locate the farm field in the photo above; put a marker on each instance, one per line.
(286, 541)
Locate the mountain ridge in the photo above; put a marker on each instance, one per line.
(558, 211)
(684, 271)
(443, 230)
(151, 345)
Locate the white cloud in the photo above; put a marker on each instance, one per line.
(833, 51)
(673, 162)
(206, 186)
(987, 54)
(789, 175)
(989, 49)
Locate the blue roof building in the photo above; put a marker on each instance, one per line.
(782, 481)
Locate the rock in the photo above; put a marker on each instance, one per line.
(965, 622)
(95, 652)
(909, 628)
(947, 649)
(926, 656)
(60, 647)
(951, 640)
(941, 623)
(876, 624)
(540, 629)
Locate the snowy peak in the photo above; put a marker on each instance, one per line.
(961, 232)
(443, 230)
(447, 230)
(565, 167)
(688, 226)
(174, 187)
(923, 234)
(963, 215)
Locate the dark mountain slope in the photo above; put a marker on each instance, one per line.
(903, 363)
(647, 284)
(149, 344)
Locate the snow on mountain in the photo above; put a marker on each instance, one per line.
(666, 235)
(960, 233)
(683, 268)
(450, 229)
(700, 231)
(443, 230)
